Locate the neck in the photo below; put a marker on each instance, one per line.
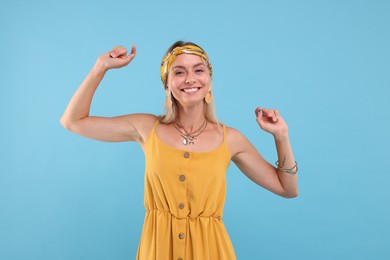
(190, 118)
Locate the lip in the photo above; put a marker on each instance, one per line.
(190, 88)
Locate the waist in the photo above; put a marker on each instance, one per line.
(189, 216)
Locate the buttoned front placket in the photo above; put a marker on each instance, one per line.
(181, 230)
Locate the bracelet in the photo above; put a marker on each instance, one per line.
(292, 170)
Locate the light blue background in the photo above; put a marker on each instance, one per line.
(324, 64)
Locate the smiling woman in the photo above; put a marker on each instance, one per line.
(187, 154)
(200, 69)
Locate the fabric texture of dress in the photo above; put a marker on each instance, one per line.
(184, 199)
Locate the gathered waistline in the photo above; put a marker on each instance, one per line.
(187, 217)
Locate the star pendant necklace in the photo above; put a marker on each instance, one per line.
(189, 138)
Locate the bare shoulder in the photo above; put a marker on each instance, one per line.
(236, 141)
(143, 124)
(234, 136)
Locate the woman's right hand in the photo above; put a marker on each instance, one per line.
(116, 58)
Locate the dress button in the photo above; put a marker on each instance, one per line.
(186, 155)
(182, 178)
(181, 206)
(181, 235)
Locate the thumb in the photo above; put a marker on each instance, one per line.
(259, 117)
(132, 54)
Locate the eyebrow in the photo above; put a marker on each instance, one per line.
(182, 67)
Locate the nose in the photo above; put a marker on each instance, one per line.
(190, 79)
(190, 82)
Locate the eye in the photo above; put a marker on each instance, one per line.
(199, 70)
(178, 73)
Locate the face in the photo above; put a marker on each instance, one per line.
(189, 79)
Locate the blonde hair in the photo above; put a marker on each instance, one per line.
(170, 112)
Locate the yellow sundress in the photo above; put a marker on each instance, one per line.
(184, 199)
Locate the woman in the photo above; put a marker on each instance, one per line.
(187, 153)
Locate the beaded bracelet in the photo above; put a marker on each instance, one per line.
(288, 170)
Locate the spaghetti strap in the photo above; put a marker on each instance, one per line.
(224, 133)
(155, 125)
(152, 132)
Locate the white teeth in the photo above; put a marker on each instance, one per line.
(190, 90)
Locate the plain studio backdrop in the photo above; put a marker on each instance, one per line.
(324, 64)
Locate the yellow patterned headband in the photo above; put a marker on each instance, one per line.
(170, 57)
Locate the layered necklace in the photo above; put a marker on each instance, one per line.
(189, 138)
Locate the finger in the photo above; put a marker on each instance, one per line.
(127, 59)
(118, 52)
(272, 114)
(113, 52)
(263, 113)
(260, 111)
(259, 115)
(277, 114)
(132, 54)
(257, 111)
(269, 114)
(133, 50)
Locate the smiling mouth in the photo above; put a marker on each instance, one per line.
(190, 90)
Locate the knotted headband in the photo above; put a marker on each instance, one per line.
(186, 49)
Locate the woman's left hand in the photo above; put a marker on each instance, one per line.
(270, 121)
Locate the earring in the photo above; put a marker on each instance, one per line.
(207, 98)
(168, 100)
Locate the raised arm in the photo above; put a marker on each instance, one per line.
(281, 179)
(76, 117)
